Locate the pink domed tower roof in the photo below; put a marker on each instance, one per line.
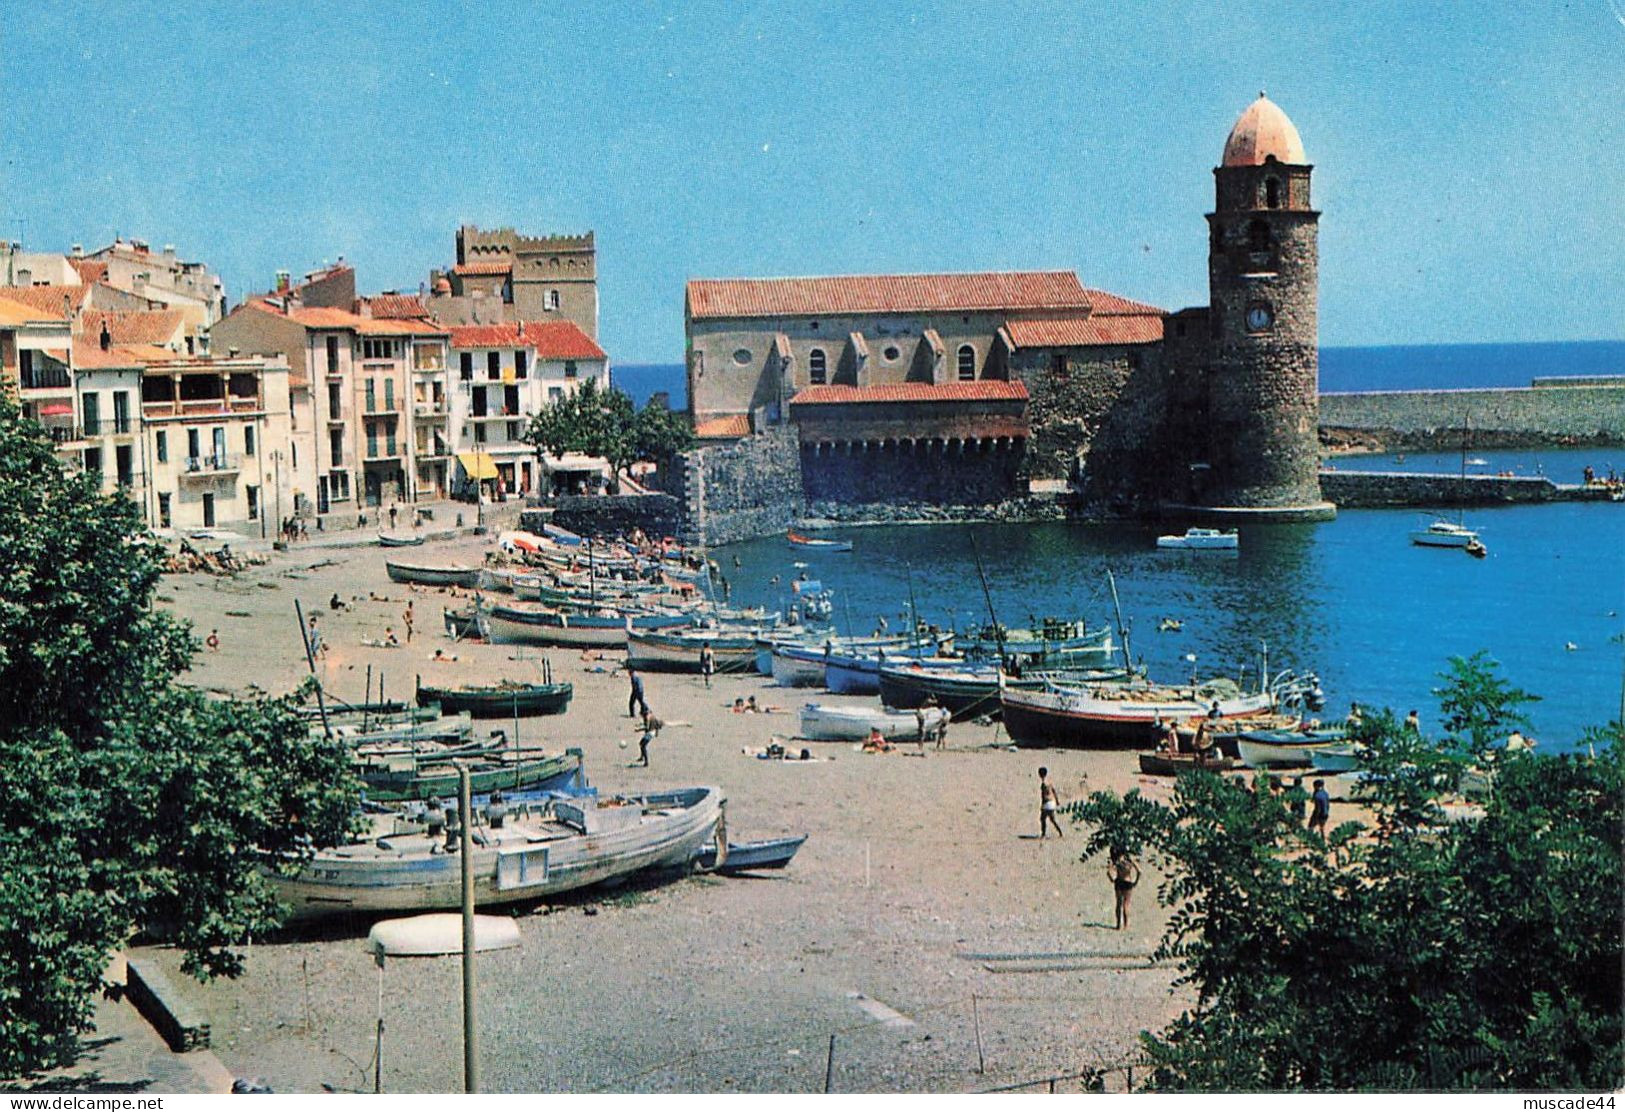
(1263, 132)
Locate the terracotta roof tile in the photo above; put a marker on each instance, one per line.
(88, 356)
(89, 270)
(59, 301)
(982, 390)
(15, 314)
(723, 428)
(1091, 331)
(136, 327)
(489, 267)
(396, 306)
(884, 293)
(1102, 303)
(554, 339)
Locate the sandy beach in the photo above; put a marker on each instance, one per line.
(922, 906)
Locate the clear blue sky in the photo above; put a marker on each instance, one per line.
(1470, 157)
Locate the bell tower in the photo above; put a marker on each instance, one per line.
(1263, 279)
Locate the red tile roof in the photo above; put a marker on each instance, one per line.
(135, 327)
(885, 293)
(490, 266)
(1101, 303)
(58, 301)
(90, 272)
(982, 390)
(1140, 328)
(88, 355)
(554, 339)
(323, 317)
(723, 428)
(396, 306)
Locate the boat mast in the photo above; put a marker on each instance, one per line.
(592, 575)
(1122, 630)
(913, 610)
(998, 633)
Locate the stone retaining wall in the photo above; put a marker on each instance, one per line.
(658, 515)
(750, 488)
(1371, 489)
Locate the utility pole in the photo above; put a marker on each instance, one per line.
(465, 814)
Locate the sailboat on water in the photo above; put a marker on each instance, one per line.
(1442, 533)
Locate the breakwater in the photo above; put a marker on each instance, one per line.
(1550, 411)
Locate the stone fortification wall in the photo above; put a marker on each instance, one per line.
(658, 515)
(732, 492)
(1372, 489)
(942, 473)
(1514, 417)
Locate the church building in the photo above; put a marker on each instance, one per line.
(975, 388)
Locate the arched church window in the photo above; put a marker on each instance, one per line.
(817, 368)
(967, 363)
(1272, 193)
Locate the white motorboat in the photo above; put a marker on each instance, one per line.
(569, 844)
(1202, 539)
(822, 722)
(1444, 534)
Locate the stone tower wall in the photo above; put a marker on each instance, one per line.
(1263, 383)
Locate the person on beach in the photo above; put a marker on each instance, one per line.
(392, 515)
(708, 663)
(212, 641)
(739, 705)
(1413, 723)
(920, 713)
(1049, 800)
(635, 702)
(942, 729)
(1125, 875)
(313, 638)
(876, 741)
(406, 616)
(1354, 719)
(1321, 808)
(389, 637)
(643, 744)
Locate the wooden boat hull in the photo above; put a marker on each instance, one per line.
(451, 575)
(798, 667)
(389, 540)
(1073, 718)
(505, 630)
(462, 625)
(438, 781)
(1284, 748)
(658, 652)
(770, 853)
(496, 702)
(1172, 764)
(829, 723)
(671, 830)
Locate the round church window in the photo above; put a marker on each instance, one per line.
(891, 353)
(742, 356)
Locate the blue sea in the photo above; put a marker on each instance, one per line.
(1352, 599)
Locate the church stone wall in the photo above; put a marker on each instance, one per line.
(948, 473)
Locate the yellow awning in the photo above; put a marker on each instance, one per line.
(479, 465)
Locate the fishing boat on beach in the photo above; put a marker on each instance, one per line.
(501, 700)
(1286, 748)
(800, 542)
(749, 857)
(971, 690)
(1164, 763)
(1053, 643)
(433, 575)
(400, 540)
(678, 650)
(466, 623)
(395, 779)
(604, 628)
(1076, 716)
(529, 852)
(827, 722)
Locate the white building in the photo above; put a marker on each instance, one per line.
(503, 374)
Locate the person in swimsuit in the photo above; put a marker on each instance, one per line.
(1125, 874)
(1048, 801)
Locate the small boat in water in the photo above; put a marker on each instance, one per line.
(499, 700)
(561, 845)
(802, 543)
(400, 540)
(433, 575)
(823, 722)
(1444, 534)
(1201, 539)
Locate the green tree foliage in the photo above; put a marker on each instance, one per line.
(1411, 952)
(605, 424)
(127, 803)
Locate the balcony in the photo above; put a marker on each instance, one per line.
(387, 407)
(213, 466)
(200, 407)
(499, 415)
(110, 427)
(437, 450)
(387, 450)
(39, 379)
(63, 436)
